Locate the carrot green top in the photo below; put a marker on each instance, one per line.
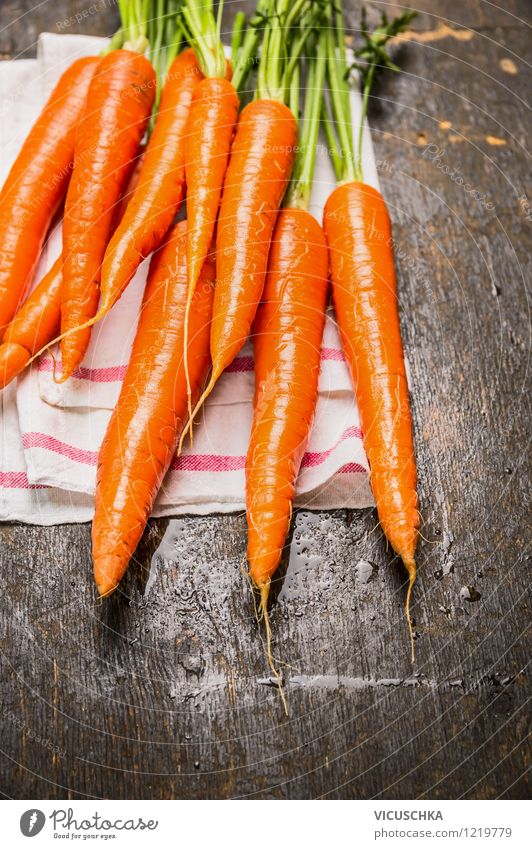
(285, 36)
(369, 60)
(202, 28)
(134, 16)
(150, 26)
(288, 26)
(245, 44)
(131, 35)
(298, 194)
(164, 36)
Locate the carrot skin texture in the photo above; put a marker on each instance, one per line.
(287, 336)
(152, 408)
(358, 230)
(161, 187)
(37, 182)
(35, 324)
(210, 128)
(119, 102)
(262, 158)
(38, 320)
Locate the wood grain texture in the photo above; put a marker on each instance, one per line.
(163, 690)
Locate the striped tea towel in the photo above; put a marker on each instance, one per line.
(50, 441)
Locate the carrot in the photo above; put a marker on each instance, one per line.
(38, 320)
(358, 230)
(262, 157)
(211, 123)
(118, 106)
(35, 324)
(287, 334)
(161, 186)
(152, 408)
(37, 184)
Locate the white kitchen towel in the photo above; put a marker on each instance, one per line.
(49, 450)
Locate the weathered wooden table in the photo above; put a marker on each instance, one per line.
(164, 692)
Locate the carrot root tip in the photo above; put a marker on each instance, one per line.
(210, 386)
(263, 614)
(106, 587)
(410, 567)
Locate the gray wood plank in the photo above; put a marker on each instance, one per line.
(163, 690)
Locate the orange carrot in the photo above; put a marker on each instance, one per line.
(255, 183)
(211, 123)
(210, 128)
(358, 230)
(260, 164)
(37, 184)
(262, 157)
(35, 324)
(152, 408)
(118, 107)
(287, 334)
(161, 186)
(38, 320)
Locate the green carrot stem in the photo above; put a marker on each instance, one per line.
(247, 53)
(173, 34)
(287, 32)
(365, 98)
(300, 188)
(270, 82)
(134, 15)
(374, 60)
(332, 142)
(237, 35)
(296, 53)
(115, 43)
(156, 38)
(172, 48)
(342, 55)
(203, 31)
(337, 70)
(294, 13)
(293, 98)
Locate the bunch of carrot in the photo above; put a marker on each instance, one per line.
(246, 169)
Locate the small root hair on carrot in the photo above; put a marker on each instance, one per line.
(206, 392)
(85, 326)
(185, 354)
(261, 614)
(427, 540)
(54, 366)
(247, 577)
(410, 566)
(263, 611)
(374, 528)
